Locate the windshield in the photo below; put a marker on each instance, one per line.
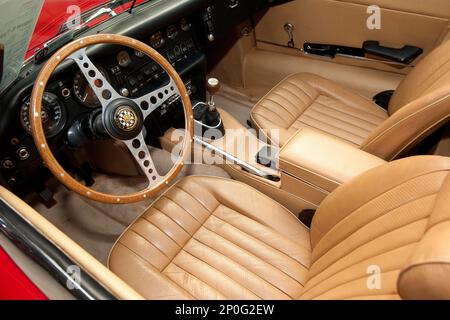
(28, 25)
(58, 16)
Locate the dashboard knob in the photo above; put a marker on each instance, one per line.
(124, 92)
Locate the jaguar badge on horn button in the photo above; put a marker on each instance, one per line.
(125, 118)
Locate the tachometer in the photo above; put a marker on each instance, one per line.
(53, 114)
(83, 91)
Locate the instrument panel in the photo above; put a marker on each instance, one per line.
(68, 98)
(129, 71)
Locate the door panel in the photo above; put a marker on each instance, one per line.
(414, 22)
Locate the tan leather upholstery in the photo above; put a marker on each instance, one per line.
(307, 100)
(420, 104)
(210, 238)
(323, 160)
(200, 240)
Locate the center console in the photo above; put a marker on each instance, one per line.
(314, 164)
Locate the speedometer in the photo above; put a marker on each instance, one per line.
(83, 91)
(53, 114)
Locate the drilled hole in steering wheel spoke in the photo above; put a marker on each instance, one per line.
(98, 83)
(144, 105)
(136, 144)
(106, 94)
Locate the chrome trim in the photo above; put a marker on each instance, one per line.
(244, 165)
(48, 255)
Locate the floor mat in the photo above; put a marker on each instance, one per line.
(96, 226)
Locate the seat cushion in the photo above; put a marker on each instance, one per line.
(213, 238)
(307, 100)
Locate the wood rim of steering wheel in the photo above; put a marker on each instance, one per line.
(41, 141)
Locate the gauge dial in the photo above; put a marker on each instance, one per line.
(139, 54)
(123, 59)
(157, 40)
(83, 91)
(172, 32)
(53, 114)
(185, 25)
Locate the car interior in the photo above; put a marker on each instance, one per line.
(330, 138)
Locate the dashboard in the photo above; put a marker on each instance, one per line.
(178, 29)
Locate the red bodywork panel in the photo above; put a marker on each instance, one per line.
(14, 284)
(55, 13)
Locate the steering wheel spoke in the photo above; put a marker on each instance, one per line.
(153, 100)
(141, 154)
(98, 82)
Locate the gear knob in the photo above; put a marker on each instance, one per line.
(213, 86)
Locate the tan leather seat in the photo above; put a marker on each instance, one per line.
(384, 235)
(420, 104)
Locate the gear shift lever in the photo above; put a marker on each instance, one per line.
(213, 86)
(206, 114)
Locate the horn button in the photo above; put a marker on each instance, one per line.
(123, 119)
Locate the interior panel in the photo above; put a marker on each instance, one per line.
(415, 23)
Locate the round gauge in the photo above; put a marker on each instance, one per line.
(83, 91)
(172, 32)
(157, 40)
(139, 54)
(123, 59)
(185, 25)
(53, 114)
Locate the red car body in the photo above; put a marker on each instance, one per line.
(14, 284)
(55, 13)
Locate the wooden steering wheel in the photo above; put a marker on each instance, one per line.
(123, 118)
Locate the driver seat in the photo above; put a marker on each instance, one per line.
(383, 235)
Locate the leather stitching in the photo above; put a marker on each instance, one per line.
(332, 126)
(343, 269)
(241, 265)
(374, 219)
(232, 261)
(373, 124)
(257, 257)
(189, 233)
(167, 273)
(163, 231)
(258, 240)
(213, 269)
(333, 119)
(150, 242)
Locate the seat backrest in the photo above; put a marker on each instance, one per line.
(420, 104)
(432, 72)
(385, 234)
